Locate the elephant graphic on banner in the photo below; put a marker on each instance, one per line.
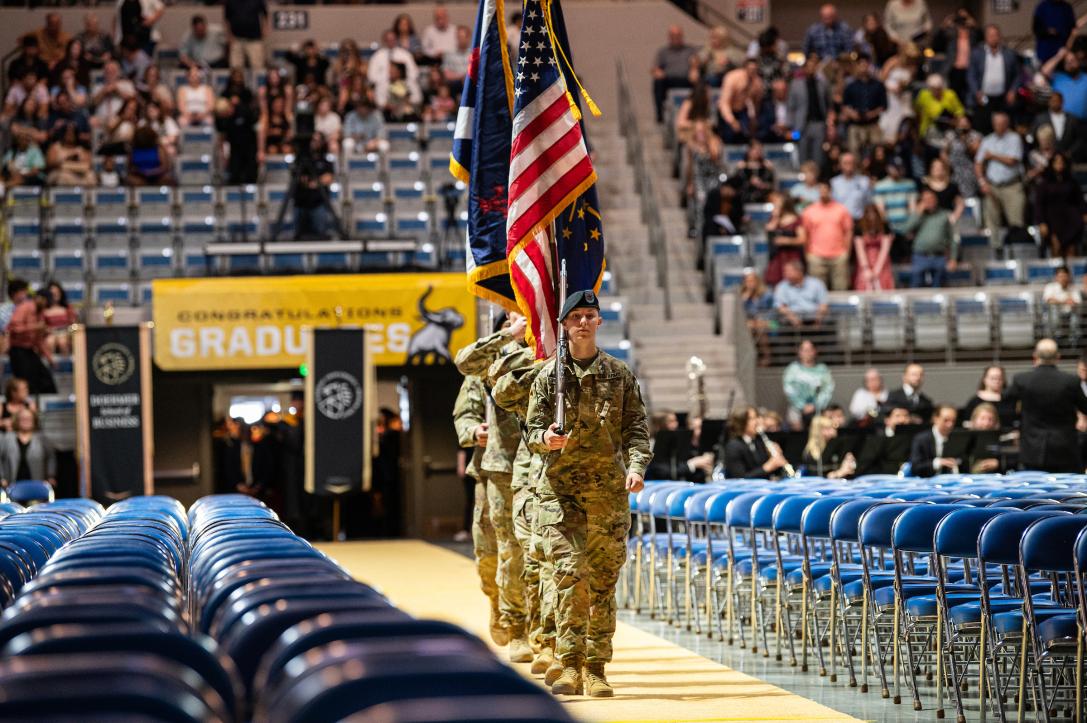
(430, 344)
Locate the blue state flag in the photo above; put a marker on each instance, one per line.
(481, 155)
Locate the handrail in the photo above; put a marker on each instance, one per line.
(716, 17)
(650, 207)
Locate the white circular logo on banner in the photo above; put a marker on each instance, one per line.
(339, 395)
(113, 364)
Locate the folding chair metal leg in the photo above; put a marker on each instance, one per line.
(730, 605)
(832, 630)
(939, 661)
(847, 641)
(754, 606)
(1022, 672)
(669, 609)
(981, 673)
(709, 596)
(804, 623)
(1079, 674)
(894, 652)
(864, 641)
(778, 631)
(911, 667)
(687, 591)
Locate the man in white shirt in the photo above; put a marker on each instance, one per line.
(866, 401)
(441, 37)
(455, 62)
(378, 71)
(992, 77)
(109, 97)
(1061, 300)
(851, 189)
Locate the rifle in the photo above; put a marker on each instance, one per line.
(561, 353)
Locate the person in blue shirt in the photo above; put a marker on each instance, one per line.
(1052, 25)
(830, 37)
(1070, 80)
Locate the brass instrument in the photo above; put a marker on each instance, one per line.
(696, 388)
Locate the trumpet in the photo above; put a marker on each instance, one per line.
(771, 446)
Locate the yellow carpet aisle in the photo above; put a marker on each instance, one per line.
(654, 680)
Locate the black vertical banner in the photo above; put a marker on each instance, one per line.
(339, 400)
(113, 398)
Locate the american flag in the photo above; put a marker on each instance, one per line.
(549, 168)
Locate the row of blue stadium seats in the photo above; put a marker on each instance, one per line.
(968, 577)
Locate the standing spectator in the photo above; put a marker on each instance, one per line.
(379, 70)
(955, 40)
(1068, 131)
(807, 191)
(783, 235)
(962, 145)
(850, 188)
(992, 388)
(406, 37)
(455, 61)
(195, 100)
(909, 396)
(756, 175)
(247, 26)
(799, 299)
(203, 45)
(993, 77)
(773, 120)
(16, 399)
(137, 19)
(18, 290)
(810, 111)
(440, 37)
(741, 94)
(27, 349)
(237, 124)
(97, 45)
(364, 128)
(898, 75)
(59, 317)
(1053, 23)
(936, 105)
(1070, 81)
(948, 196)
(311, 217)
(1059, 209)
(863, 102)
(348, 65)
(770, 50)
(999, 167)
(830, 37)
(907, 21)
(670, 70)
(872, 38)
(872, 248)
(1049, 400)
(895, 195)
(826, 228)
(695, 107)
(935, 245)
(1062, 302)
(308, 63)
(704, 170)
(718, 56)
(927, 456)
(866, 401)
(808, 386)
(29, 60)
(111, 95)
(52, 40)
(26, 453)
(513, 34)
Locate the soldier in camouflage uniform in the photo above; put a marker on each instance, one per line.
(504, 435)
(469, 420)
(512, 378)
(584, 512)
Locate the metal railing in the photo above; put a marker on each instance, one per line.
(643, 184)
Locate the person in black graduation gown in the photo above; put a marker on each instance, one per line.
(746, 455)
(1048, 400)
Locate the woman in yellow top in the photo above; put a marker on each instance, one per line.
(934, 101)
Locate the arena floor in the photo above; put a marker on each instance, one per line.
(655, 680)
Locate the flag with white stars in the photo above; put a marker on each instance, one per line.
(481, 155)
(551, 177)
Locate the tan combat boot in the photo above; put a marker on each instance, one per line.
(499, 634)
(542, 662)
(569, 682)
(520, 651)
(596, 685)
(553, 672)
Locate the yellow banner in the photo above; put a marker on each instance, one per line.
(263, 322)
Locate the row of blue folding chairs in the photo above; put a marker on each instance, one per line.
(28, 538)
(310, 643)
(955, 583)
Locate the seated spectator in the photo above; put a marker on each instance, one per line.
(23, 163)
(68, 163)
(1059, 209)
(404, 28)
(97, 45)
(863, 102)
(16, 399)
(165, 127)
(364, 128)
(936, 106)
(865, 404)
(718, 56)
(277, 128)
(1068, 131)
(455, 61)
(741, 95)
(26, 453)
(999, 166)
(59, 317)
(77, 93)
(203, 46)
(746, 454)
(808, 386)
(821, 458)
(935, 244)
(695, 107)
(195, 100)
(356, 91)
(152, 89)
(811, 111)
(52, 40)
(758, 303)
(73, 60)
(312, 219)
(771, 51)
(872, 248)
(773, 120)
(782, 233)
(236, 119)
(723, 214)
(909, 396)
(327, 122)
(670, 70)
(111, 96)
(756, 175)
(800, 300)
(309, 62)
(30, 122)
(348, 65)
(872, 39)
(907, 20)
(948, 196)
(380, 70)
(704, 168)
(991, 391)
(927, 456)
(851, 188)
(440, 37)
(134, 61)
(402, 101)
(62, 113)
(120, 130)
(830, 37)
(29, 60)
(148, 161)
(1070, 80)
(107, 175)
(993, 77)
(30, 85)
(826, 229)
(1062, 301)
(807, 191)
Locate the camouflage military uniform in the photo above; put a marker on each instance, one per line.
(504, 434)
(468, 414)
(584, 513)
(512, 378)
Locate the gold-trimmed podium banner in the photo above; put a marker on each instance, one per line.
(264, 322)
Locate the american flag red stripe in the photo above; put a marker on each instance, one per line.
(549, 168)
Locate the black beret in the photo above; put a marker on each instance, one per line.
(586, 299)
